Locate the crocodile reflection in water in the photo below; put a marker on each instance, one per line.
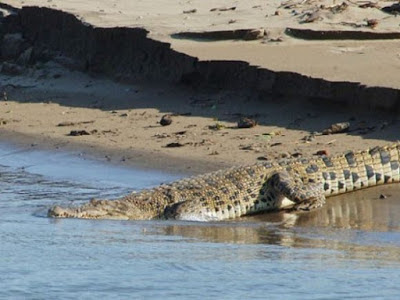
(336, 226)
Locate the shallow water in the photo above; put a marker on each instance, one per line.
(348, 249)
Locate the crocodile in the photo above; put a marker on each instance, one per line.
(296, 185)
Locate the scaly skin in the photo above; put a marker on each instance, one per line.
(299, 184)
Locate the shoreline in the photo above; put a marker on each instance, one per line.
(128, 158)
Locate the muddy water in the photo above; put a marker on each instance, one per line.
(348, 249)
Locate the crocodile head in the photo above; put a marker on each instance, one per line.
(100, 209)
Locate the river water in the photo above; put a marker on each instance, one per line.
(348, 249)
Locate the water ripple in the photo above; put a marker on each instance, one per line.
(342, 251)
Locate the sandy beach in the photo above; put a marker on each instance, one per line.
(50, 106)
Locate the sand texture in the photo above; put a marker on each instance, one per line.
(70, 87)
(371, 62)
(121, 123)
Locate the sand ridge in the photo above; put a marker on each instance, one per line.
(374, 63)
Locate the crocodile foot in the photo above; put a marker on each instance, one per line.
(305, 196)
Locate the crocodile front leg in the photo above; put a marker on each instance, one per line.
(270, 195)
(306, 196)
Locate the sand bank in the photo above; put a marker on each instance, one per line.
(49, 101)
(121, 122)
(372, 63)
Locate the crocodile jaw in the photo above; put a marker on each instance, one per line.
(61, 212)
(93, 210)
